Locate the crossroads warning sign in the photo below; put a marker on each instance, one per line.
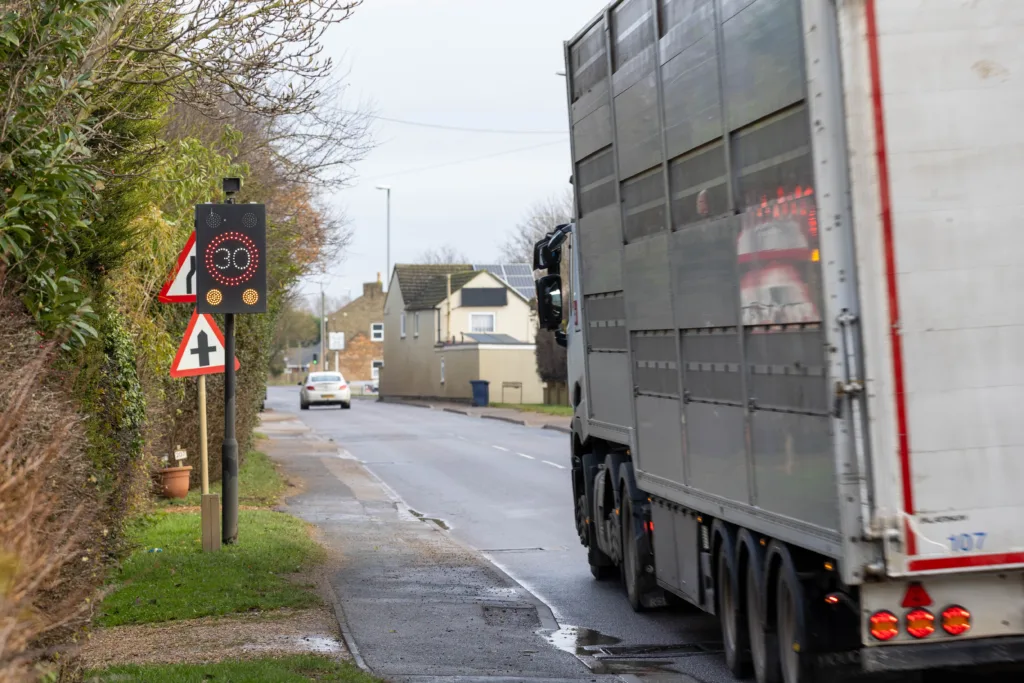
(202, 350)
(180, 287)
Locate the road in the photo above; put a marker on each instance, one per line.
(504, 490)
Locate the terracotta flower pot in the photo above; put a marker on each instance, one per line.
(174, 481)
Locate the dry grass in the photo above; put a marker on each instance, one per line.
(47, 564)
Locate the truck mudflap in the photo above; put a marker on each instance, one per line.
(945, 654)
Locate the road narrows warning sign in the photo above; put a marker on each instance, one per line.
(202, 349)
(180, 287)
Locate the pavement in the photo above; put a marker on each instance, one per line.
(518, 417)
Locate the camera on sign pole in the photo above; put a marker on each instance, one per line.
(231, 248)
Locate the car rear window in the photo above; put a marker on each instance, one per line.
(325, 378)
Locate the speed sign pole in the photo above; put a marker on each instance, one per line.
(231, 251)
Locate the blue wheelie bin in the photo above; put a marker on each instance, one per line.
(481, 392)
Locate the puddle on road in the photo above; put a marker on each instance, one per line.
(576, 639)
(423, 518)
(603, 654)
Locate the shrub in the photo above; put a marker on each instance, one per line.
(48, 527)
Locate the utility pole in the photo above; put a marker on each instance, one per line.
(387, 188)
(323, 329)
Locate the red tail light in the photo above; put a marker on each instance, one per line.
(649, 527)
(884, 625)
(343, 386)
(310, 388)
(920, 623)
(956, 620)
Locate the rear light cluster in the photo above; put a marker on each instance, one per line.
(919, 622)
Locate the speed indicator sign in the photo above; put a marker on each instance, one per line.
(231, 250)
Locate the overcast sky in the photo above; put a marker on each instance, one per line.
(463, 63)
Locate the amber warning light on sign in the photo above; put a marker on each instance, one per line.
(231, 246)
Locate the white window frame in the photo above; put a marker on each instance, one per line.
(416, 324)
(494, 323)
(403, 325)
(375, 334)
(375, 369)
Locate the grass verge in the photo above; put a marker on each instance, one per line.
(295, 669)
(259, 484)
(561, 411)
(182, 582)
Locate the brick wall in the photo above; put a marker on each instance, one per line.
(357, 359)
(355, 320)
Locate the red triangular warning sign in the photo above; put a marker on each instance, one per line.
(916, 596)
(180, 287)
(202, 350)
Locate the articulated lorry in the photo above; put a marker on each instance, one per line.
(791, 298)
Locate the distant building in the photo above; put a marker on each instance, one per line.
(298, 359)
(449, 324)
(362, 323)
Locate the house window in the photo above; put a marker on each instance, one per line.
(481, 323)
(377, 332)
(403, 326)
(375, 369)
(416, 324)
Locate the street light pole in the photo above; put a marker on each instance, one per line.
(387, 188)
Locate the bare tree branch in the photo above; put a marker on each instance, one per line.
(541, 218)
(443, 255)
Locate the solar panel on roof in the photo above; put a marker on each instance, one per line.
(518, 276)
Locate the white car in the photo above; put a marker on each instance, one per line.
(325, 388)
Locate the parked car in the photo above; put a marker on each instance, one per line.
(325, 388)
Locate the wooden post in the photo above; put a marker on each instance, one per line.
(204, 460)
(210, 510)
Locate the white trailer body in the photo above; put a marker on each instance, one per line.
(807, 348)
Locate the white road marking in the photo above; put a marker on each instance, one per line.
(548, 462)
(500, 448)
(463, 438)
(524, 455)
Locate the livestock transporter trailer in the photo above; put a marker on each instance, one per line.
(791, 298)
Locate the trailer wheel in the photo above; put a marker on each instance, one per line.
(630, 567)
(789, 602)
(731, 618)
(601, 566)
(764, 651)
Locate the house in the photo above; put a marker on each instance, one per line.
(449, 324)
(298, 359)
(362, 323)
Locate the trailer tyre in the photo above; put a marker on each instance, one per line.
(601, 566)
(641, 589)
(789, 605)
(764, 650)
(730, 615)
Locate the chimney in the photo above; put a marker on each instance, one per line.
(373, 289)
(378, 276)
